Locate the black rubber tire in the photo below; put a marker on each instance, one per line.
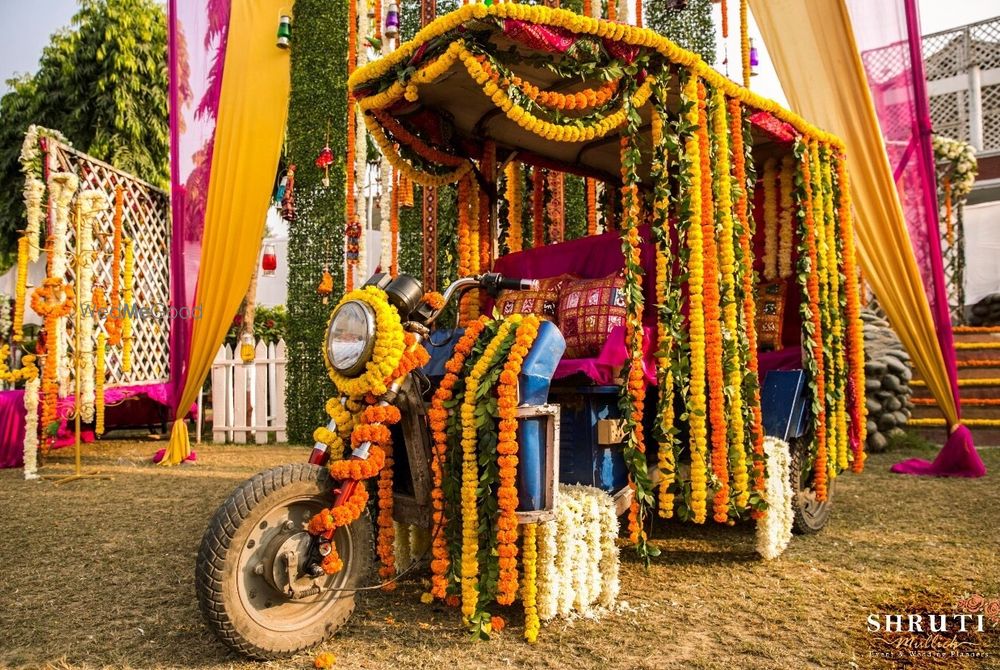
(810, 515)
(216, 569)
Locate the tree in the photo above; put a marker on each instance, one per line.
(102, 82)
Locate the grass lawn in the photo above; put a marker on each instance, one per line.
(101, 573)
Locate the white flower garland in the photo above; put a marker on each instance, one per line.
(91, 203)
(62, 186)
(578, 560)
(5, 321)
(774, 529)
(34, 189)
(31, 388)
(963, 163)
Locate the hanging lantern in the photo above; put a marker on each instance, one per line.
(753, 59)
(284, 31)
(269, 260)
(392, 21)
(323, 162)
(288, 196)
(279, 194)
(677, 5)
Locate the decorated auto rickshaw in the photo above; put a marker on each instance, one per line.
(698, 355)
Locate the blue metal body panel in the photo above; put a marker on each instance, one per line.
(531, 462)
(540, 364)
(446, 338)
(581, 459)
(784, 404)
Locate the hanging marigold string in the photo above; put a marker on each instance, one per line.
(854, 329)
(537, 208)
(591, 185)
(696, 297)
(745, 44)
(17, 328)
(752, 386)
(515, 202)
(530, 590)
(824, 254)
(713, 324)
(394, 224)
(507, 500)
(113, 324)
(786, 232)
(811, 311)
(470, 471)
(438, 417)
(384, 417)
(724, 6)
(729, 275)
(579, 101)
(770, 187)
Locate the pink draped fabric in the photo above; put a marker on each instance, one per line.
(888, 35)
(198, 35)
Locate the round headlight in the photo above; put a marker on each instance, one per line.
(350, 338)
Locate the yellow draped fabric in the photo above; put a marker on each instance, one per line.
(815, 55)
(253, 106)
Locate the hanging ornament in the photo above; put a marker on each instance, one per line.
(284, 31)
(754, 60)
(324, 161)
(325, 287)
(279, 193)
(288, 196)
(392, 21)
(353, 240)
(269, 260)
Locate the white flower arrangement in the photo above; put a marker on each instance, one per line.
(961, 165)
(31, 388)
(774, 529)
(91, 203)
(577, 555)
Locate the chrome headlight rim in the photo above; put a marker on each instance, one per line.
(360, 364)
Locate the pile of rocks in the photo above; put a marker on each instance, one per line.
(887, 380)
(986, 312)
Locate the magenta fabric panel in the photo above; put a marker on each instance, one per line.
(12, 429)
(889, 37)
(602, 368)
(197, 39)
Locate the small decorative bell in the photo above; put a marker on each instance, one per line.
(392, 21)
(284, 31)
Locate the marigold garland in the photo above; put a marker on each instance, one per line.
(825, 294)
(34, 189)
(854, 328)
(437, 417)
(413, 174)
(713, 329)
(113, 324)
(530, 589)
(394, 226)
(507, 460)
(421, 148)
(99, 376)
(811, 311)
(579, 101)
(835, 310)
(770, 189)
(515, 203)
(786, 233)
(21, 290)
(578, 24)
(537, 207)
(129, 279)
(470, 471)
(696, 300)
(591, 185)
(666, 459)
(749, 304)
(729, 274)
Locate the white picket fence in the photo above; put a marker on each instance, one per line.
(248, 399)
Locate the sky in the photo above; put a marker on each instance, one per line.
(31, 23)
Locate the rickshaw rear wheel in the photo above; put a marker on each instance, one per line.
(244, 565)
(811, 515)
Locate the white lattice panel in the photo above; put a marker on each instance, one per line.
(145, 219)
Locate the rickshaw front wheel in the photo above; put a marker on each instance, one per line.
(811, 514)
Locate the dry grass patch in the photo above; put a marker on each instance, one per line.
(100, 573)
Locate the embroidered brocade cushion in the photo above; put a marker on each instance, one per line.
(543, 301)
(770, 314)
(589, 309)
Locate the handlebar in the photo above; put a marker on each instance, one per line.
(491, 282)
